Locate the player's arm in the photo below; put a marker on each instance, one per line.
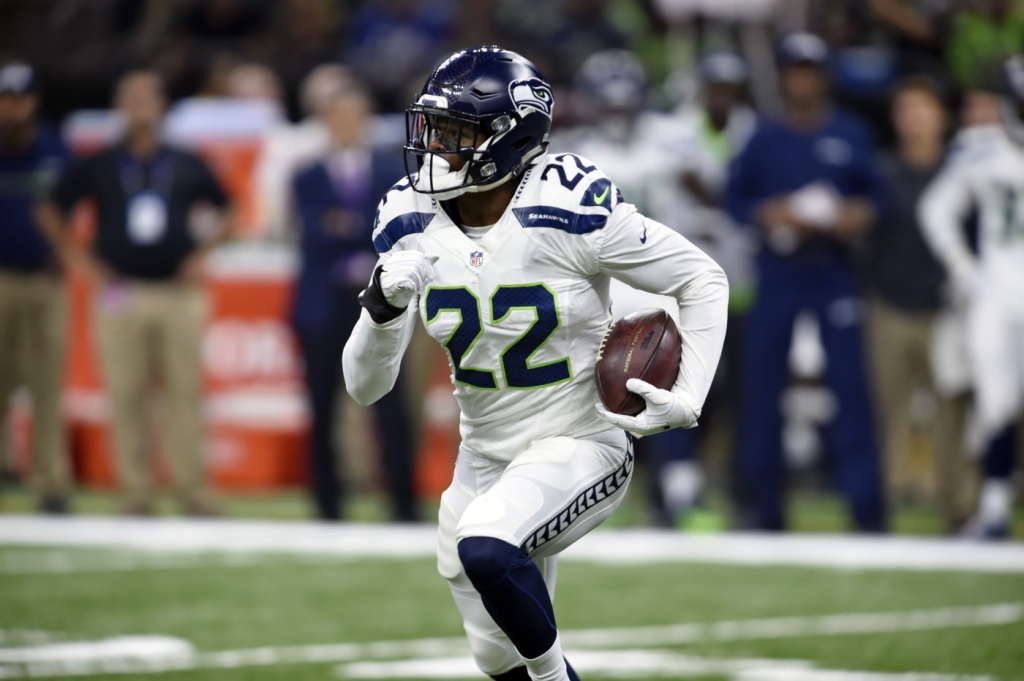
(373, 354)
(651, 257)
(941, 212)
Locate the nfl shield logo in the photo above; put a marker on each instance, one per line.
(476, 258)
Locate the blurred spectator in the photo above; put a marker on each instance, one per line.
(907, 284)
(979, 113)
(32, 304)
(336, 200)
(985, 174)
(147, 263)
(918, 30)
(218, 74)
(809, 184)
(227, 20)
(584, 28)
(289, 147)
(982, 36)
(714, 130)
(636, 148)
(393, 41)
(255, 81)
(863, 65)
(308, 33)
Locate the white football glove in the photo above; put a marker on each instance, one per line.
(405, 275)
(665, 410)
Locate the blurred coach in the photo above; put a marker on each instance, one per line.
(809, 183)
(32, 306)
(336, 200)
(149, 308)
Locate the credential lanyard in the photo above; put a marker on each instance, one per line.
(147, 194)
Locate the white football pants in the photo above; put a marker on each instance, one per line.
(542, 501)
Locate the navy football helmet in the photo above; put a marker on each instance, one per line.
(488, 105)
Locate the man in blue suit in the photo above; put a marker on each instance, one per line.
(808, 184)
(336, 200)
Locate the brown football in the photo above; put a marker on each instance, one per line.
(644, 345)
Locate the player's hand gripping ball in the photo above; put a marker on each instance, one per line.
(405, 275)
(637, 366)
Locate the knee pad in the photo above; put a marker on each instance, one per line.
(513, 591)
(486, 560)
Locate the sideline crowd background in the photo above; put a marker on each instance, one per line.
(296, 107)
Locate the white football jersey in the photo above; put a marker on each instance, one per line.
(521, 311)
(646, 171)
(986, 172)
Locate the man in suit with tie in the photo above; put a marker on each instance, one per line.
(336, 199)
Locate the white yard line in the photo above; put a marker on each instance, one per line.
(631, 664)
(64, 561)
(613, 547)
(799, 627)
(135, 655)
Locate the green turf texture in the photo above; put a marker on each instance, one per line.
(292, 601)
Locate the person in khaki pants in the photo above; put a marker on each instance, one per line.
(32, 305)
(149, 307)
(908, 285)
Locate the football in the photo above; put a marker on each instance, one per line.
(644, 345)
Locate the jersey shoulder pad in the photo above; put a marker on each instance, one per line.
(400, 213)
(566, 192)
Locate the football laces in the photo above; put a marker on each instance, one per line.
(604, 341)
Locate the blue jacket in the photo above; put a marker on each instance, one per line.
(779, 160)
(24, 178)
(337, 234)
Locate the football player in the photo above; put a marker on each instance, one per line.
(506, 254)
(988, 175)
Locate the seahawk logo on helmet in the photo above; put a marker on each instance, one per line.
(531, 93)
(487, 105)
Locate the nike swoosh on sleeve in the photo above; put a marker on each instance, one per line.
(598, 200)
(643, 238)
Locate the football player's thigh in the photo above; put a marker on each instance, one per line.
(992, 356)
(553, 493)
(492, 650)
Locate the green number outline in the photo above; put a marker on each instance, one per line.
(479, 333)
(536, 312)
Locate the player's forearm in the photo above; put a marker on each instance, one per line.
(703, 312)
(651, 257)
(373, 354)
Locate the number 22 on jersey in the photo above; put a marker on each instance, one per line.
(517, 369)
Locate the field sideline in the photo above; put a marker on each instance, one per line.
(178, 600)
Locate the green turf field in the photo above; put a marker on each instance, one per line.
(238, 603)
